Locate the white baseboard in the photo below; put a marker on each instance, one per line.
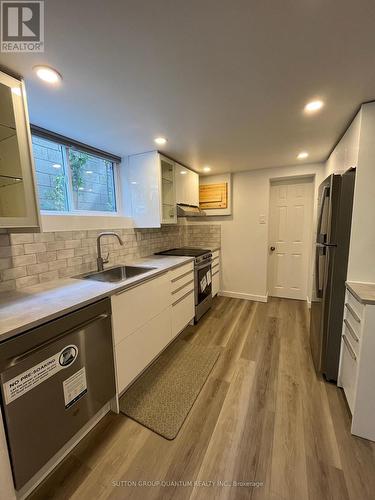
(244, 296)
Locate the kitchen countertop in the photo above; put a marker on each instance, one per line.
(363, 292)
(32, 306)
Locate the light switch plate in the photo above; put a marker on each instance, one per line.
(262, 219)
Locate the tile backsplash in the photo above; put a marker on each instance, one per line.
(28, 259)
(201, 235)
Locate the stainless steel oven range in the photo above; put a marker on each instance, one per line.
(202, 276)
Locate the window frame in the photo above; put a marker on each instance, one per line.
(67, 144)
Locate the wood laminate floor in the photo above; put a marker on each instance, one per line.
(263, 416)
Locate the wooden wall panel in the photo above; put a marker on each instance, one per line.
(213, 196)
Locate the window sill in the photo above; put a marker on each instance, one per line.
(77, 222)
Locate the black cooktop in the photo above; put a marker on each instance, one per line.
(185, 252)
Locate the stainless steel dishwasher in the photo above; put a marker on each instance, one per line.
(54, 378)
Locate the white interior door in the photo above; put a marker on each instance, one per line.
(290, 233)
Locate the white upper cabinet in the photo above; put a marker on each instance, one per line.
(187, 186)
(151, 185)
(168, 191)
(345, 154)
(18, 200)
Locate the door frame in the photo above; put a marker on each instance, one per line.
(313, 215)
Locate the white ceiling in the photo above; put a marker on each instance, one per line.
(224, 80)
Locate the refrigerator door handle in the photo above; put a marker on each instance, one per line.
(319, 284)
(317, 272)
(321, 237)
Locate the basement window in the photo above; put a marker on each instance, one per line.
(73, 178)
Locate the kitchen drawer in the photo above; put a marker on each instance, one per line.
(182, 290)
(215, 267)
(351, 335)
(352, 317)
(215, 282)
(176, 273)
(182, 281)
(133, 308)
(183, 312)
(353, 302)
(348, 371)
(135, 352)
(216, 254)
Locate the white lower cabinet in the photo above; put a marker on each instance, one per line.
(135, 352)
(215, 272)
(215, 283)
(183, 311)
(357, 367)
(146, 318)
(134, 307)
(182, 297)
(348, 372)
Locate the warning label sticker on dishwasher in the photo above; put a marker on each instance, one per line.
(75, 387)
(29, 379)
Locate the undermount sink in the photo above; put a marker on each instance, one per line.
(114, 274)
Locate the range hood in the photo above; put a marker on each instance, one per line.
(189, 211)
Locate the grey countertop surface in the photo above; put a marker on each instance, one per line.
(32, 306)
(363, 292)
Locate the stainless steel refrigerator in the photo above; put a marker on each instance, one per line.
(331, 263)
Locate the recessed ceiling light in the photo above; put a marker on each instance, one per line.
(313, 106)
(16, 90)
(47, 74)
(183, 172)
(56, 165)
(206, 169)
(302, 155)
(160, 140)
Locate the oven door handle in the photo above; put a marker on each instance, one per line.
(203, 265)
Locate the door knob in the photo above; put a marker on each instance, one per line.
(272, 249)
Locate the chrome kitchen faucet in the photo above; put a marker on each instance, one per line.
(100, 261)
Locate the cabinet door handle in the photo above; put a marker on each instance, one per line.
(350, 348)
(352, 311)
(350, 329)
(191, 271)
(182, 298)
(182, 287)
(142, 281)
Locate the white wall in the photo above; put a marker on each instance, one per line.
(244, 241)
(361, 265)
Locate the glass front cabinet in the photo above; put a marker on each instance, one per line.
(168, 191)
(151, 185)
(18, 200)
